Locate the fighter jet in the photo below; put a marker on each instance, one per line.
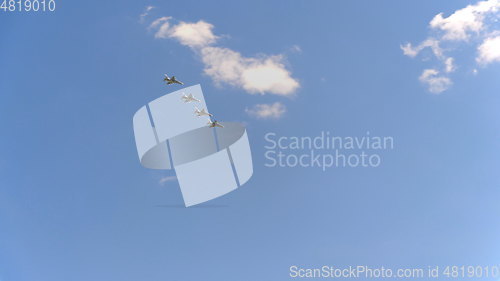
(189, 98)
(172, 80)
(201, 112)
(212, 124)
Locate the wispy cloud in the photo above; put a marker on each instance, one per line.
(267, 111)
(164, 180)
(144, 14)
(296, 49)
(435, 82)
(256, 75)
(162, 24)
(432, 43)
(475, 24)
(449, 65)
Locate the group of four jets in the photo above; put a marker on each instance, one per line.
(190, 98)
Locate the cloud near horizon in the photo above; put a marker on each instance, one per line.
(255, 75)
(476, 24)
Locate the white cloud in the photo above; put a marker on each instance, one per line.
(164, 180)
(160, 21)
(432, 43)
(449, 65)
(194, 35)
(464, 22)
(268, 75)
(489, 51)
(254, 75)
(469, 25)
(261, 74)
(267, 111)
(145, 13)
(435, 83)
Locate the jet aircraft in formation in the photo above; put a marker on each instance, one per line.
(202, 112)
(172, 80)
(213, 124)
(190, 98)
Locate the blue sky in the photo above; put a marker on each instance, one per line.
(75, 204)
